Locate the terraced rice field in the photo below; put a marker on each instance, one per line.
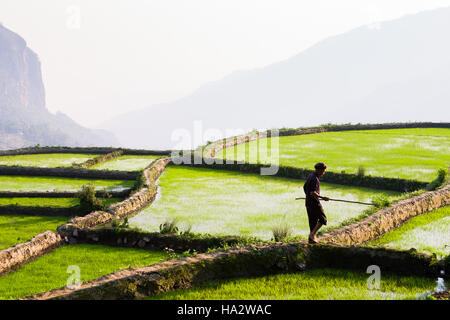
(45, 160)
(429, 232)
(233, 203)
(16, 229)
(48, 202)
(126, 163)
(19, 183)
(321, 284)
(50, 271)
(397, 153)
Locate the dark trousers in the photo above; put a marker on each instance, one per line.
(315, 214)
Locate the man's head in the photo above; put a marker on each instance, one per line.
(320, 168)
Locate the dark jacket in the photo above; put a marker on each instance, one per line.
(312, 184)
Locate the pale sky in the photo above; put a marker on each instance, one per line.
(101, 58)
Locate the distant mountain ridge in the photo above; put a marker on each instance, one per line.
(396, 73)
(24, 119)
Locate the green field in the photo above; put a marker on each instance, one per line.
(321, 284)
(429, 232)
(233, 203)
(48, 202)
(16, 229)
(50, 271)
(126, 163)
(397, 153)
(45, 160)
(25, 184)
(21, 228)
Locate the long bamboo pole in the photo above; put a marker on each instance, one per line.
(340, 200)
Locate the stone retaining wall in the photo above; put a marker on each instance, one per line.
(99, 159)
(144, 195)
(142, 152)
(212, 149)
(368, 126)
(63, 172)
(249, 261)
(389, 218)
(130, 238)
(22, 253)
(90, 220)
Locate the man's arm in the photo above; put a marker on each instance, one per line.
(318, 196)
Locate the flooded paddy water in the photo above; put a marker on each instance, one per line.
(233, 203)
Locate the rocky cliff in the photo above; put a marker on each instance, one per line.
(24, 119)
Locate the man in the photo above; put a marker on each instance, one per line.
(316, 216)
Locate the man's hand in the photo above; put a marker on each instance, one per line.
(318, 196)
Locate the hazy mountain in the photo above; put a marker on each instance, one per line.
(396, 71)
(24, 119)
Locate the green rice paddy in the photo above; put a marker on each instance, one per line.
(233, 203)
(397, 153)
(47, 202)
(45, 160)
(320, 284)
(16, 229)
(429, 232)
(20, 183)
(50, 271)
(126, 163)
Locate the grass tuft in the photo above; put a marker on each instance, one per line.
(169, 226)
(88, 200)
(381, 201)
(361, 171)
(281, 232)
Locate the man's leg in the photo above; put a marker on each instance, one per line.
(312, 235)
